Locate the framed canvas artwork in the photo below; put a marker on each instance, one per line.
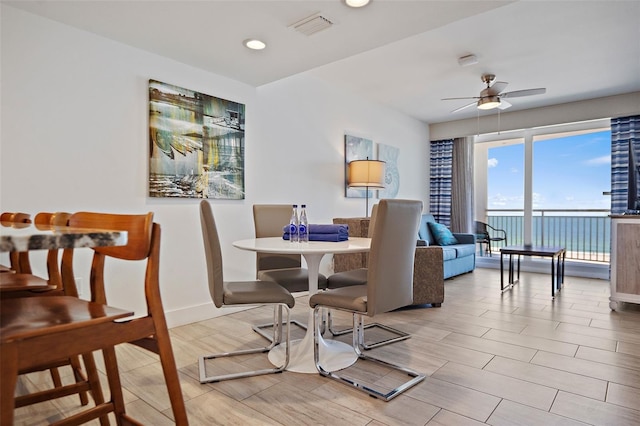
(196, 144)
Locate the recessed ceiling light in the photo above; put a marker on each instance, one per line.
(356, 3)
(254, 44)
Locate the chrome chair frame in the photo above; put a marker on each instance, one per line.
(393, 237)
(276, 339)
(241, 293)
(400, 335)
(358, 345)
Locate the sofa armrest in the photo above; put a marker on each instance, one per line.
(428, 276)
(465, 238)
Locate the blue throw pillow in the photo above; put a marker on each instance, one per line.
(441, 233)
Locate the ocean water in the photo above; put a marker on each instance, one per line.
(586, 237)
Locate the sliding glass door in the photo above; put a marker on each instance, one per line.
(548, 186)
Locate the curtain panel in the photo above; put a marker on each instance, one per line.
(462, 198)
(441, 164)
(625, 133)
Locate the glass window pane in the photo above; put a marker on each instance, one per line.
(571, 182)
(505, 190)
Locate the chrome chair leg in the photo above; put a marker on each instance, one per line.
(275, 340)
(400, 335)
(277, 319)
(358, 346)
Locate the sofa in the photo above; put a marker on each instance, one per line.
(428, 272)
(458, 249)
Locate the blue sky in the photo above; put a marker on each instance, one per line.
(568, 173)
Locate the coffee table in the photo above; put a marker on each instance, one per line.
(556, 253)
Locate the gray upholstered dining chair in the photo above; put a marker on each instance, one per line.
(284, 269)
(359, 277)
(240, 293)
(389, 286)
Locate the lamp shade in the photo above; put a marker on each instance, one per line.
(366, 173)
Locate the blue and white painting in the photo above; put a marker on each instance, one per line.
(389, 154)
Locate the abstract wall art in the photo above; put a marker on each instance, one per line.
(196, 144)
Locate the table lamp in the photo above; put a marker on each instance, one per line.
(366, 174)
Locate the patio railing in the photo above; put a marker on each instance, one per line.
(586, 233)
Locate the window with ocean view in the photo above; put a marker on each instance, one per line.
(549, 187)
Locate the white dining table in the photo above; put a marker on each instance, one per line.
(335, 355)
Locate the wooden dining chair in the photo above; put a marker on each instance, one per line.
(29, 285)
(19, 260)
(284, 269)
(24, 284)
(41, 330)
(389, 286)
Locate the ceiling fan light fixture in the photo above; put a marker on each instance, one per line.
(489, 102)
(356, 3)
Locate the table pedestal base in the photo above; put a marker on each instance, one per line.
(334, 355)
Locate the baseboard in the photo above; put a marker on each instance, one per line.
(191, 314)
(205, 311)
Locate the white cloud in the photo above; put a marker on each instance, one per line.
(493, 162)
(599, 161)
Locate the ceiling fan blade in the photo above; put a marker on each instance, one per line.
(464, 107)
(504, 104)
(497, 88)
(455, 99)
(527, 92)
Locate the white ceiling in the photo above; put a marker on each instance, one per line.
(402, 54)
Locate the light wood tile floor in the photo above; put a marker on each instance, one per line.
(513, 358)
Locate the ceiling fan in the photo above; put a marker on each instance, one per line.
(493, 96)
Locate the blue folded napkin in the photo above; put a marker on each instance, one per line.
(337, 228)
(323, 237)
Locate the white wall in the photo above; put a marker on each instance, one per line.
(74, 136)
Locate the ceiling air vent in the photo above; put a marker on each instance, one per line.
(312, 24)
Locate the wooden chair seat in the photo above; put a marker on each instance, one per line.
(30, 317)
(6, 269)
(10, 283)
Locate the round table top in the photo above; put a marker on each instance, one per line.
(282, 246)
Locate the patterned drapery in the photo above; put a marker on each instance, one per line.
(625, 131)
(440, 182)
